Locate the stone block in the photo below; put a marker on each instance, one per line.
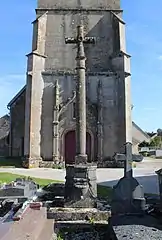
(80, 185)
(74, 214)
(82, 230)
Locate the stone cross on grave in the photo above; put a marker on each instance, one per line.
(127, 159)
(80, 40)
(128, 195)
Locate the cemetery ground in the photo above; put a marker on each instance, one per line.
(106, 177)
(5, 177)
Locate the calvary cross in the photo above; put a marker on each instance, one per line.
(80, 40)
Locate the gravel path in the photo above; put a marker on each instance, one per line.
(137, 228)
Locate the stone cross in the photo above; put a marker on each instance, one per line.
(127, 158)
(80, 40)
(128, 195)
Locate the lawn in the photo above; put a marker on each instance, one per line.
(8, 177)
(104, 192)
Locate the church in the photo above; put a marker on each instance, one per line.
(42, 114)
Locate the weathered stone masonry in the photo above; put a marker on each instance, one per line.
(107, 79)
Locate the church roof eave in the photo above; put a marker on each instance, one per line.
(14, 99)
(144, 133)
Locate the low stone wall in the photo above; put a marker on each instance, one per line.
(51, 164)
(111, 164)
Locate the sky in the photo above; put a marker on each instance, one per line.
(144, 44)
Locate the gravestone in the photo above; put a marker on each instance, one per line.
(19, 188)
(128, 194)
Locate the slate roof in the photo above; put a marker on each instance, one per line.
(137, 127)
(14, 99)
(4, 126)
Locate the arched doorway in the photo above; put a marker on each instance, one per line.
(70, 147)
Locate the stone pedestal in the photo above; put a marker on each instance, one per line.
(80, 186)
(128, 197)
(31, 162)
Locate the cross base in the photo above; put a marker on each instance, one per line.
(80, 186)
(81, 159)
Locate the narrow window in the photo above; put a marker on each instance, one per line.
(74, 110)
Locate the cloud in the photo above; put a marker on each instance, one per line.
(160, 57)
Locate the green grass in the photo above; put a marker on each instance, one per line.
(104, 192)
(10, 162)
(8, 177)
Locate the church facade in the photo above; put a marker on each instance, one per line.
(42, 115)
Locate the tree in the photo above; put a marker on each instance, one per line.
(159, 132)
(144, 144)
(156, 142)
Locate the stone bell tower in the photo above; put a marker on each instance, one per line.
(51, 78)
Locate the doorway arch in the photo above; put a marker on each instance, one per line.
(70, 147)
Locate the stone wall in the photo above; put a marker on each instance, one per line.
(17, 111)
(4, 147)
(107, 64)
(61, 56)
(90, 4)
(103, 64)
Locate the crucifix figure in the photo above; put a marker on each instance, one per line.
(80, 40)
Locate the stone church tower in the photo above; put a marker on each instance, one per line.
(49, 105)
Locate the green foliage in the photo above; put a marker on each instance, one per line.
(156, 142)
(91, 221)
(144, 144)
(57, 167)
(145, 154)
(134, 165)
(59, 236)
(104, 192)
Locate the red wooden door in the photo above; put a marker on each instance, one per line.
(70, 147)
